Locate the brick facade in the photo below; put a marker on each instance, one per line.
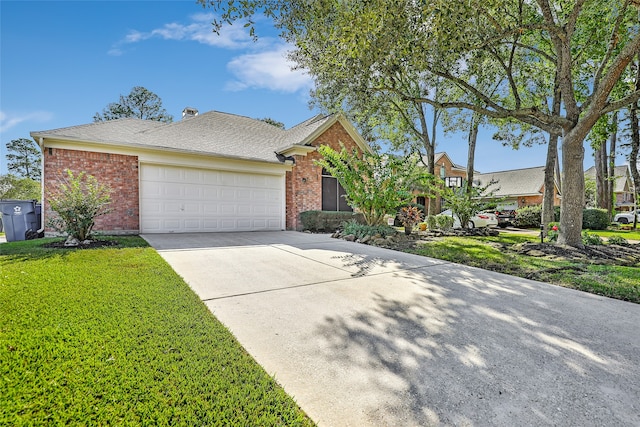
(304, 182)
(120, 172)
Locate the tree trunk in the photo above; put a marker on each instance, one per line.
(548, 199)
(428, 143)
(573, 190)
(548, 212)
(473, 137)
(635, 144)
(601, 176)
(611, 178)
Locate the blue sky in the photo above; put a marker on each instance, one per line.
(63, 61)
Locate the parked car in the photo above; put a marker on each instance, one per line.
(505, 218)
(626, 217)
(479, 220)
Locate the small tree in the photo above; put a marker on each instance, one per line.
(141, 103)
(23, 158)
(465, 202)
(375, 185)
(78, 202)
(12, 187)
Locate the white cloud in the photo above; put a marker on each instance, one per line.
(267, 70)
(199, 30)
(7, 121)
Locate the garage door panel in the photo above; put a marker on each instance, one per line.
(175, 199)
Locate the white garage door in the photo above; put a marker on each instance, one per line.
(184, 200)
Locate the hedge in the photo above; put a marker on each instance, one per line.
(327, 221)
(595, 219)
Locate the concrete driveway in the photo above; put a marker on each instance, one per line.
(363, 336)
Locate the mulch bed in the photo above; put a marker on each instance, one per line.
(87, 244)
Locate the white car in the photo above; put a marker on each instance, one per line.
(626, 217)
(479, 220)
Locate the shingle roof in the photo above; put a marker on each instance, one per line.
(618, 172)
(215, 133)
(518, 182)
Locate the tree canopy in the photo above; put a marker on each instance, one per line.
(23, 159)
(510, 59)
(139, 103)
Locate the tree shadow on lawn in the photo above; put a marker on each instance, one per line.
(467, 349)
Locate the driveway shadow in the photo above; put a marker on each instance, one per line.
(472, 350)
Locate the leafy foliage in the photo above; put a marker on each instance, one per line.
(410, 215)
(445, 222)
(327, 221)
(273, 122)
(23, 158)
(78, 202)
(464, 202)
(362, 230)
(595, 219)
(12, 187)
(528, 216)
(375, 185)
(140, 103)
(618, 240)
(509, 58)
(432, 222)
(591, 239)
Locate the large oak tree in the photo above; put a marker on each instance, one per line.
(525, 45)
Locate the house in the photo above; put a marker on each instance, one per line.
(210, 172)
(453, 174)
(518, 187)
(622, 186)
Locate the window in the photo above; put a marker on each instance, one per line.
(333, 194)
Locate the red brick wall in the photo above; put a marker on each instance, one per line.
(304, 182)
(120, 172)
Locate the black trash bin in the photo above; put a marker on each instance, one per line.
(18, 218)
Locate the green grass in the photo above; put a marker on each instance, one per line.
(627, 234)
(489, 253)
(114, 336)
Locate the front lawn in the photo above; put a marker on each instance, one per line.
(501, 254)
(114, 337)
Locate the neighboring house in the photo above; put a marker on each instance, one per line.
(622, 186)
(518, 187)
(450, 172)
(209, 172)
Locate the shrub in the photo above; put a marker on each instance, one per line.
(528, 217)
(361, 230)
(554, 230)
(618, 240)
(410, 215)
(78, 202)
(591, 239)
(327, 221)
(445, 222)
(595, 219)
(432, 222)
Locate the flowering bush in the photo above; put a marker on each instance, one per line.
(554, 230)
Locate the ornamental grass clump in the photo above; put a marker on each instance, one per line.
(78, 202)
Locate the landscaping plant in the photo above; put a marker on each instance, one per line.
(409, 216)
(375, 185)
(78, 202)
